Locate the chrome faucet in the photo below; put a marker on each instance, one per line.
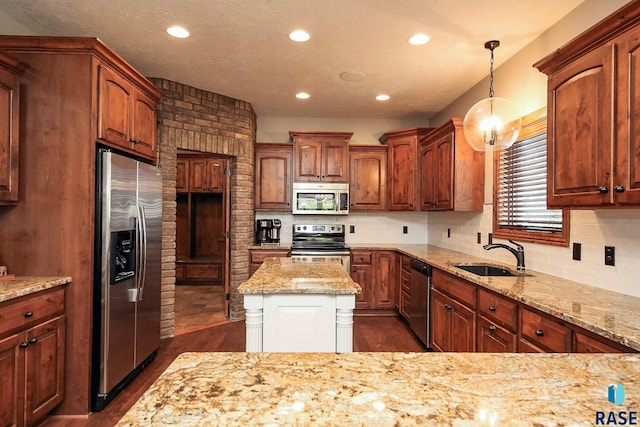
(518, 251)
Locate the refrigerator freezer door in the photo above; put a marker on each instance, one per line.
(148, 306)
(118, 315)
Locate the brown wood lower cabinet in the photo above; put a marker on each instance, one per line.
(495, 339)
(257, 257)
(375, 272)
(32, 355)
(453, 325)
(404, 288)
(544, 332)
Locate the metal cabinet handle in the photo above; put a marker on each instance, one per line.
(492, 308)
(448, 307)
(33, 340)
(539, 332)
(28, 314)
(603, 190)
(492, 328)
(619, 188)
(24, 345)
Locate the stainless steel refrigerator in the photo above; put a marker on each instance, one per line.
(127, 286)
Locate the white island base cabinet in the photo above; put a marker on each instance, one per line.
(299, 323)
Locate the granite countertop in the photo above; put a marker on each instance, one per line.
(300, 276)
(610, 314)
(386, 389)
(26, 285)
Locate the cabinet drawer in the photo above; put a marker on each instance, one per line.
(459, 289)
(545, 332)
(406, 282)
(586, 344)
(498, 309)
(202, 271)
(30, 310)
(406, 263)
(361, 257)
(258, 256)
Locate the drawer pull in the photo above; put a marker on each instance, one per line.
(24, 345)
(28, 314)
(539, 332)
(492, 308)
(492, 328)
(33, 340)
(448, 307)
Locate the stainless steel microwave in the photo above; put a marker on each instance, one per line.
(320, 198)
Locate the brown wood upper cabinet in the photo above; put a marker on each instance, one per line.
(127, 117)
(10, 72)
(592, 115)
(273, 176)
(321, 156)
(452, 173)
(368, 177)
(403, 178)
(207, 175)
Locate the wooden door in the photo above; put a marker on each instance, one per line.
(440, 321)
(428, 174)
(115, 103)
(12, 384)
(362, 275)
(198, 175)
(144, 125)
(273, 176)
(579, 132)
(335, 161)
(368, 178)
(384, 284)
(444, 176)
(45, 368)
(182, 175)
(402, 173)
(9, 136)
(216, 170)
(463, 328)
(307, 160)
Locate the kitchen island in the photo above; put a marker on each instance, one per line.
(387, 389)
(300, 304)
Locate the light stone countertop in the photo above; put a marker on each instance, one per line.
(386, 389)
(610, 314)
(26, 285)
(300, 276)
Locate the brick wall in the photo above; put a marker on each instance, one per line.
(198, 120)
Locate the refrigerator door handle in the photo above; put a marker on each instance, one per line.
(142, 266)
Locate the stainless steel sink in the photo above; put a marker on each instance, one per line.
(486, 270)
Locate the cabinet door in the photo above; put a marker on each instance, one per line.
(273, 177)
(428, 174)
(44, 368)
(444, 176)
(495, 339)
(12, 384)
(580, 115)
(463, 328)
(440, 321)
(402, 173)
(9, 132)
(384, 284)
(335, 161)
(361, 274)
(368, 180)
(198, 175)
(182, 175)
(115, 109)
(216, 175)
(307, 160)
(587, 344)
(144, 125)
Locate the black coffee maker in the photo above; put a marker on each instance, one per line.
(276, 225)
(263, 230)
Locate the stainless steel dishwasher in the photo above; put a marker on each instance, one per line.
(419, 304)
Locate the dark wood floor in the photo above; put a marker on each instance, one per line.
(371, 333)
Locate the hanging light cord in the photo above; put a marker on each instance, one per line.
(491, 73)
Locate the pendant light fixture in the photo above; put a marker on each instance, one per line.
(492, 123)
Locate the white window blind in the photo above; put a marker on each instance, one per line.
(522, 188)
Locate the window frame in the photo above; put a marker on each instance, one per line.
(533, 124)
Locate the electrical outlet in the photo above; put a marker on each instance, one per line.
(577, 251)
(609, 255)
(448, 233)
(405, 229)
(479, 237)
(352, 229)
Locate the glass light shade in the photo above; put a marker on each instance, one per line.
(492, 124)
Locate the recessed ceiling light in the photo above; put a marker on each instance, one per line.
(419, 39)
(382, 97)
(178, 32)
(299, 36)
(303, 95)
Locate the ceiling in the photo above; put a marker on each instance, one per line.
(240, 48)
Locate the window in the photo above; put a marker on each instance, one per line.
(520, 181)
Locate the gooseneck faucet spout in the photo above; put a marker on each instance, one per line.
(518, 251)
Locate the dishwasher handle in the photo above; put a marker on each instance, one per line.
(421, 267)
